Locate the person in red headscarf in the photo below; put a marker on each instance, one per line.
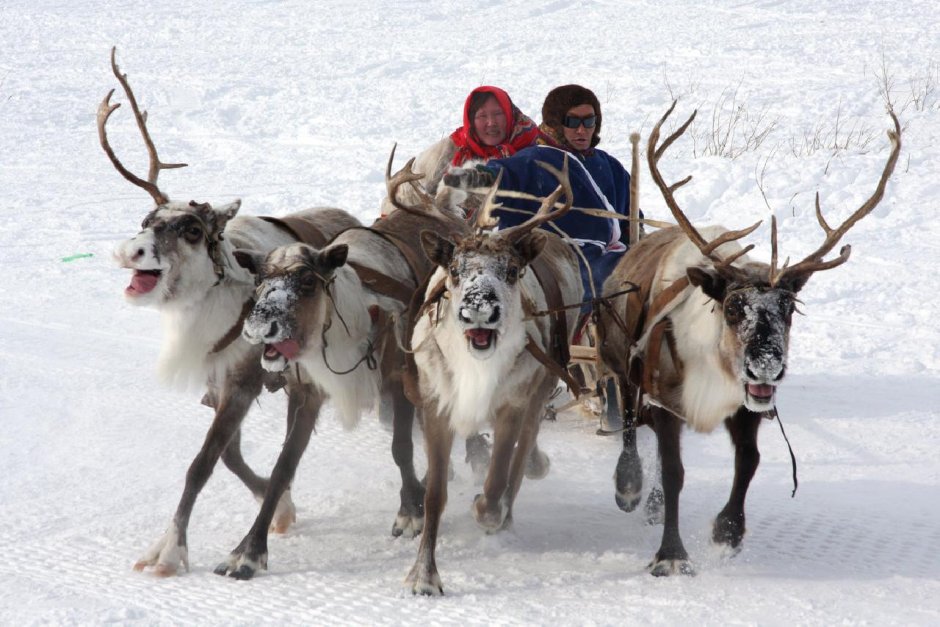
(493, 127)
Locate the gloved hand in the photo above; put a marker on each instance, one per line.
(468, 178)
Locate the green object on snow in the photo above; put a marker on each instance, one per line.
(77, 256)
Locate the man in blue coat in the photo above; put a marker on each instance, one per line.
(571, 123)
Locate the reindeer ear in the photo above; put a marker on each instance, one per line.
(794, 282)
(439, 250)
(530, 245)
(712, 283)
(227, 212)
(250, 260)
(216, 217)
(333, 257)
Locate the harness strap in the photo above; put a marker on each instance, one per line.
(232, 334)
(562, 373)
(558, 328)
(414, 262)
(382, 283)
(665, 298)
(302, 229)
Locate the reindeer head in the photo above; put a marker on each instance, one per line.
(755, 330)
(291, 298)
(177, 254)
(483, 269)
(482, 280)
(757, 300)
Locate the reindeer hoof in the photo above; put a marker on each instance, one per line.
(407, 525)
(424, 582)
(478, 454)
(240, 566)
(492, 519)
(729, 531)
(627, 502)
(166, 555)
(668, 568)
(537, 465)
(165, 570)
(628, 482)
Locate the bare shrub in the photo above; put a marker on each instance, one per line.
(838, 136)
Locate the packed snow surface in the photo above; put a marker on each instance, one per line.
(289, 104)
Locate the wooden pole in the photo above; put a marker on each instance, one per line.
(634, 231)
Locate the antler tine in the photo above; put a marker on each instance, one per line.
(547, 211)
(405, 175)
(105, 109)
(653, 154)
(813, 262)
(773, 249)
(485, 219)
(104, 112)
(729, 236)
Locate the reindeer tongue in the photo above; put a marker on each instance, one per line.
(142, 282)
(289, 348)
(760, 390)
(480, 337)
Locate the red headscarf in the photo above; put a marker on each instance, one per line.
(521, 130)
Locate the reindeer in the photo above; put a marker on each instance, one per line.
(337, 313)
(183, 265)
(705, 342)
(482, 355)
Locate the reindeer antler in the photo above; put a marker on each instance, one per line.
(405, 175)
(547, 211)
(708, 248)
(105, 109)
(484, 218)
(814, 261)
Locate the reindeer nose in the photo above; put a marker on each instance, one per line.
(272, 330)
(494, 317)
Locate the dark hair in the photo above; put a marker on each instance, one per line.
(562, 99)
(477, 100)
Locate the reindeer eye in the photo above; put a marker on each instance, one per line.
(193, 233)
(454, 272)
(734, 310)
(307, 281)
(512, 274)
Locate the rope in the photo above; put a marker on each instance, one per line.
(789, 448)
(368, 357)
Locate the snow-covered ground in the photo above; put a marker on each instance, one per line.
(289, 104)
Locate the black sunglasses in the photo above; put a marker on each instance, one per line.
(573, 121)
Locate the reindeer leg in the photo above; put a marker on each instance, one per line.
(537, 463)
(286, 513)
(478, 454)
(423, 577)
(671, 558)
(410, 516)
(654, 509)
(522, 457)
(252, 552)
(488, 508)
(171, 550)
(628, 477)
(729, 524)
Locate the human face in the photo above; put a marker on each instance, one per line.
(580, 138)
(489, 123)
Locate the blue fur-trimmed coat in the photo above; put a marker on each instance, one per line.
(602, 183)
